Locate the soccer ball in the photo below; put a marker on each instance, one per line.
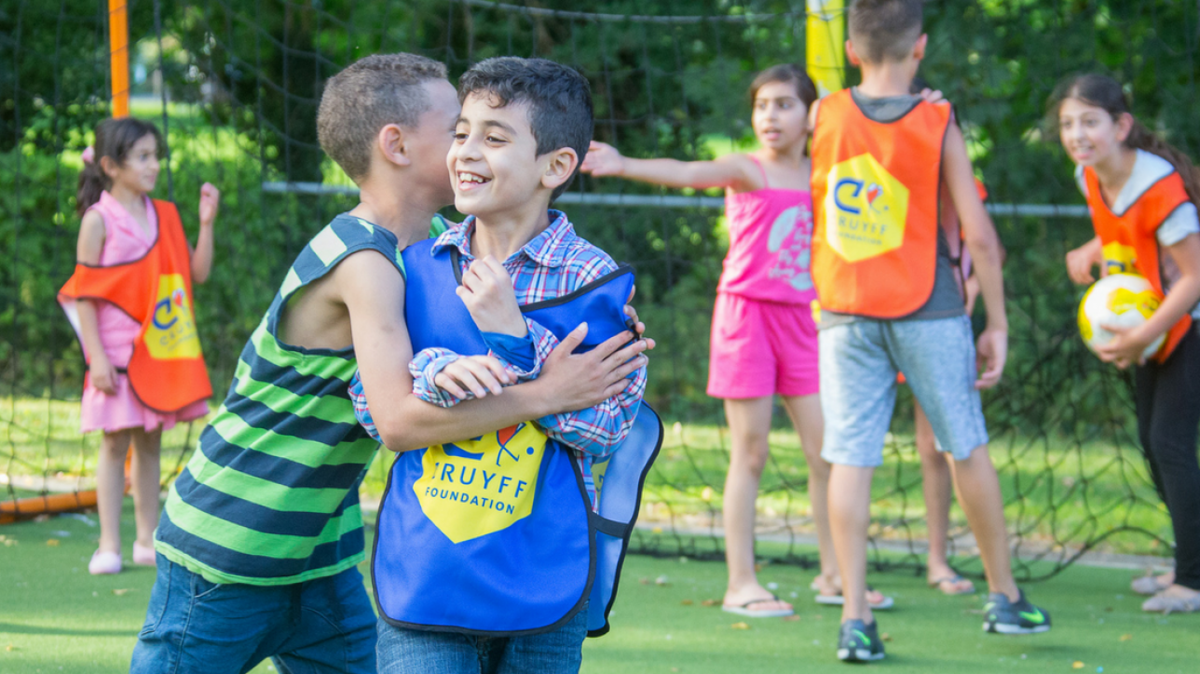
(1121, 300)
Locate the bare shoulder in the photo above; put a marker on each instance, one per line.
(91, 238)
(364, 286)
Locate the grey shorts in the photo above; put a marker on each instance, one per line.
(858, 363)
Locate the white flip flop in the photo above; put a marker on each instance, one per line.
(745, 610)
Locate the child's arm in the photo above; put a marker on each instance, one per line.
(373, 293)
(91, 243)
(984, 245)
(1128, 344)
(1081, 260)
(202, 255)
(734, 171)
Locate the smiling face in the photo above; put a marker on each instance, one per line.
(493, 162)
(139, 171)
(1089, 133)
(780, 118)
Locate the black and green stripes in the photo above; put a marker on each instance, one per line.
(270, 496)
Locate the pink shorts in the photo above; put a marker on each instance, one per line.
(762, 348)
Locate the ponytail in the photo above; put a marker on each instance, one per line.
(114, 139)
(1141, 138)
(1105, 92)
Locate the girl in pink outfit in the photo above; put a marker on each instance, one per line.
(120, 226)
(764, 337)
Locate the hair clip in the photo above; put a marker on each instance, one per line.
(89, 154)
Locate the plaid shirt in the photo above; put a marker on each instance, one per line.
(554, 263)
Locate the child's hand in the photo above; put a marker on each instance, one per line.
(478, 374)
(991, 352)
(603, 160)
(932, 95)
(1125, 348)
(1081, 260)
(210, 202)
(103, 375)
(639, 328)
(577, 381)
(487, 290)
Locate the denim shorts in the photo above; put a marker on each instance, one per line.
(859, 363)
(401, 651)
(193, 625)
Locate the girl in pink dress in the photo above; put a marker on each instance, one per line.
(764, 337)
(119, 226)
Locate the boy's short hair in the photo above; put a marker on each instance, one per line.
(885, 30)
(559, 99)
(368, 95)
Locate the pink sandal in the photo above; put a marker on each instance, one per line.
(144, 556)
(104, 563)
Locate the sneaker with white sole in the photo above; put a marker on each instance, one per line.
(1002, 616)
(858, 642)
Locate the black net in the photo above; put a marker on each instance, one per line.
(235, 86)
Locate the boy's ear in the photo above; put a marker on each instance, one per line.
(852, 56)
(919, 47)
(391, 144)
(561, 167)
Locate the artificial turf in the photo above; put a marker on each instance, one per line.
(55, 617)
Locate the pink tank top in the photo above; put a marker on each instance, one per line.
(124, 241)
(770, 244)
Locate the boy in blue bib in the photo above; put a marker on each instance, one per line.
(489, 550)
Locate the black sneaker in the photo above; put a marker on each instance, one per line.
(1007, 617)
(859, 643)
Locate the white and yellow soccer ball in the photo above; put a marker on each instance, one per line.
(1121, 300)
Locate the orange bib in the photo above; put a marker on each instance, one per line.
(1131, 240)
(875, 205)
(166, 371)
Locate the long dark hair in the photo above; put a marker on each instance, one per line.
(114, 139)
(789, 73)
(1105, 92)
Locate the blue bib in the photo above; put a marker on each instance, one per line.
(495, 535)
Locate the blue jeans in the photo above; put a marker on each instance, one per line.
(192, 625)
(401, 651)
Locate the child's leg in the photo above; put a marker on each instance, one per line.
(557, 652)
(850, 516)
(749, 422)
(110, 488)
(981, 500)
(936, 484)
(938, 358)
(1171, 439)
(858, 394)
(805, 412)
(145, 475)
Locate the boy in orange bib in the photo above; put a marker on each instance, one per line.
(890, 303)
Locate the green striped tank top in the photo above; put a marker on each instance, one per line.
(270, 496)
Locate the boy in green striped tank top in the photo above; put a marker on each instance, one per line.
(262, 532)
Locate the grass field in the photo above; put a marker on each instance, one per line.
(1059, 491)
(55, 617)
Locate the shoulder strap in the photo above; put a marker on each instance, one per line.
(761, 171)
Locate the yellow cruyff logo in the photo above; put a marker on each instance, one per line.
(171, 334)
(481, 486)
(1119, 258)
(865, 209)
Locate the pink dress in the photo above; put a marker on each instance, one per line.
(764, 338)
(124, 241)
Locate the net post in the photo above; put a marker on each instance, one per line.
(118, 40)
(825, 38)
